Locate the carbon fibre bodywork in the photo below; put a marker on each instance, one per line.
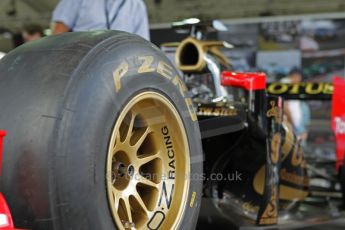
(253, 163)
(256, 173)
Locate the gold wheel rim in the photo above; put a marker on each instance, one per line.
(148, 165)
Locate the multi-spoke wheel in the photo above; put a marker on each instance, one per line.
(101, 135)
(147, 164)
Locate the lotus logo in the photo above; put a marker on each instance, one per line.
(339, 126)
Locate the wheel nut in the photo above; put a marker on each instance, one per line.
(131, 170)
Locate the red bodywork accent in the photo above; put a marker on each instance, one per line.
(247, 81)
(6, 222)
(338, 118)
(5, 213)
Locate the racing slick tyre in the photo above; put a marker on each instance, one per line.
(100, 135)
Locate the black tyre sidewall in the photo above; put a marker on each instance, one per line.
(91, 108)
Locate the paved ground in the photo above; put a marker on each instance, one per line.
(334, 225)
(210, 218)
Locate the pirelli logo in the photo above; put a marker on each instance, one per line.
(148, 64)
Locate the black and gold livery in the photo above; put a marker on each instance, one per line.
(255, 170)
(115, 138)
(302, 91)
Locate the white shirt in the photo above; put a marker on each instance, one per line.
(86, 15)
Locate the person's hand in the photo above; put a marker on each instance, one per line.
(287, 113)
(303, 136)
(59, 28)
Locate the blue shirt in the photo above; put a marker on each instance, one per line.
(85, 15)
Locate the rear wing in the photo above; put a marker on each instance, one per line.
(302, 91)
(334, 92)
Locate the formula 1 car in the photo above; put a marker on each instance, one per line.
(244, 132)
(103, 133)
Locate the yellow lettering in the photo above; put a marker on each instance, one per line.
(309, 89)
(217, 111)
(328, 89)
(295, 88)
(191, 109)
(119, 73)
(192, 199)
(165, 70)
(180, 84)
(277, 88)
(146, 66)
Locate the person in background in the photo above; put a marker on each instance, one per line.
(85, 15)
(297, 111)
(308, 43)
(32, 32)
